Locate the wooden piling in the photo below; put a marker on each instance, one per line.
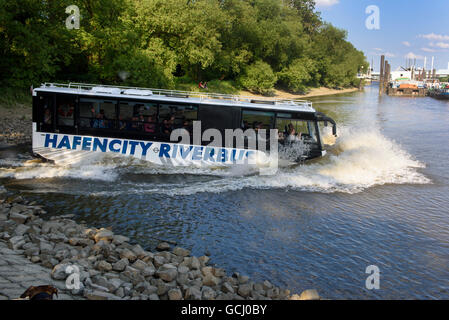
(381, 74)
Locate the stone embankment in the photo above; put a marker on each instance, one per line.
(15, 125)
(91, 263)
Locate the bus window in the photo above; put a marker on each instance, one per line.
(176, 116)
(65, 110)
(137, 116)
(97, 113)
(257, 120)
(45, 113)
(296, 129)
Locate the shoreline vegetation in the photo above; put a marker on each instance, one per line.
(109, 267)
(252, 45)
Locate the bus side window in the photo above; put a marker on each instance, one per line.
(45, 113)
(65, 111)
(98, 113)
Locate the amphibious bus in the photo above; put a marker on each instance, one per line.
(72, 120)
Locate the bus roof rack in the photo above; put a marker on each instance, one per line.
(110, 89)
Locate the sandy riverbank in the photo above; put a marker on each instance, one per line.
(315, 92)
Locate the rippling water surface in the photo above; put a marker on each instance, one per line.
(380, 197)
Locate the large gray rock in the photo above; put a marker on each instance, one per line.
(118, 239)
(181, 252)
(158, 261)
(99, 295)
(210, 280)
(139, 264)
(163, 246)
(244, 290)
(16, 243)
(104, 234)
(21, 230)
(104, 266)
(132, 275)
(46, 247)
(193, 293)
(59, 271)
(174, 294)
(227, 288)
(128, 254)
(18, 217)
(120, 265)
(167, 272)
(309, 294)
(208, 293)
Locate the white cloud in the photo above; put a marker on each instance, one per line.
(378, 49)
(442, 45)
(326, 3)
(428, 50)
(433, 36)
(411, 55)
(406, 43)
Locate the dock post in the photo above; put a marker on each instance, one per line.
(381, 74)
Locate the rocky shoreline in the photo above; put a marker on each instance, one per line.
(108, 267)
(15, 125)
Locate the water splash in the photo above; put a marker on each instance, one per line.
(359, 159)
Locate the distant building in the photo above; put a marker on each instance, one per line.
(401, 75)
(442, 73)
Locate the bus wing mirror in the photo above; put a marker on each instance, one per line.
(334, 130)
(325, 123)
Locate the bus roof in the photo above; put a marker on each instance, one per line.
(162, 95)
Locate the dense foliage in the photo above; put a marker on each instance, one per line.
(164, 43)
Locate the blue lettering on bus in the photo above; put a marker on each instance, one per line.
(209, 154)
(133, 145)
(145, 147)
(125, 146)
(97, 144)
(224, 155)
(197, 153)
(112, 143)
(64, 143)
(185, 152)
(175, 151)
(76, 142)
(87, 141)
(49, 140)
(163, 152)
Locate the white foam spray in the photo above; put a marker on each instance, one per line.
(359, 159)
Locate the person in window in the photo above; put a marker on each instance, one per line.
(99, 122)
(291, 134)
(166, 127)
(47, 116)
(149, 126)
(121, 124)
(134, 123)
(187, 126)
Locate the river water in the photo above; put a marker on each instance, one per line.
(379, 197)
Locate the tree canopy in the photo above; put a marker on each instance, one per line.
(257, 44)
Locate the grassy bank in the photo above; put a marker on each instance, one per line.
(15, 97)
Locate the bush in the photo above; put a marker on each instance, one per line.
(259, 78)
(297, 75)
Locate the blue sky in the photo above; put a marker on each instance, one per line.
(408, 28)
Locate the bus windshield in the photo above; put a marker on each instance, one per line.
(291, 130)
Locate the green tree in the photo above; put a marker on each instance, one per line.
(259, 78)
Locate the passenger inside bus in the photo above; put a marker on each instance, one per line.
(150, 126)
(47, 116)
